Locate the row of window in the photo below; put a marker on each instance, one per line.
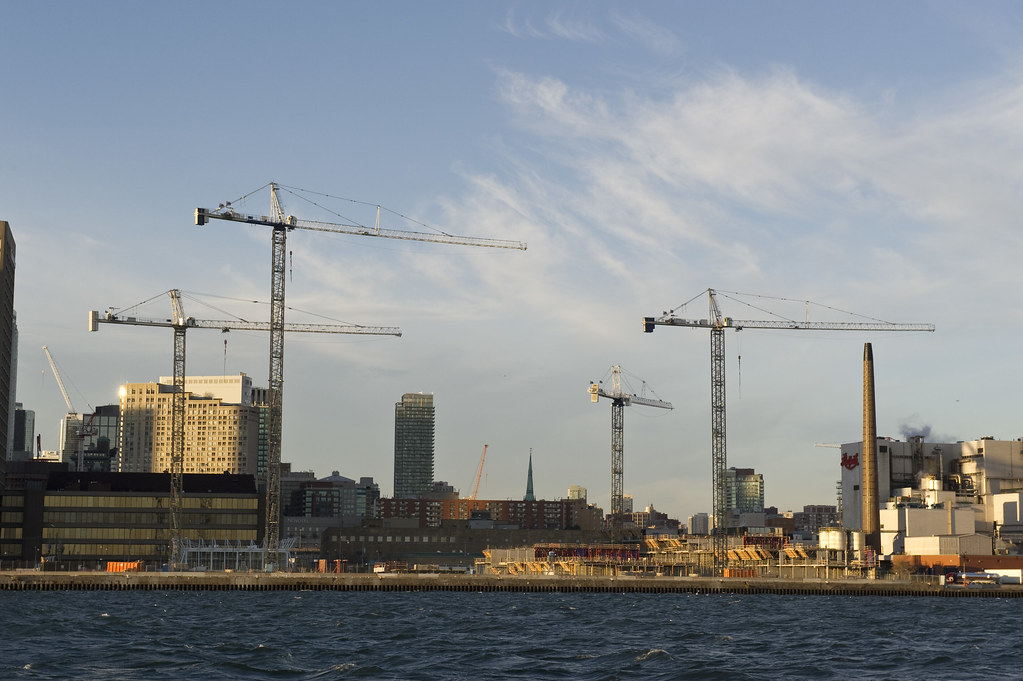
(128, 519)
(121, 534)
(94, 501)
(426, 539)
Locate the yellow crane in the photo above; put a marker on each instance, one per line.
(280, 224)
(180, 323)
(717, 323)
(476, 483)
(620, 399)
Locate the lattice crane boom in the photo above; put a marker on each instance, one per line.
(83, 429)
(479, 474)
(717, 323)
(281, 224)
(619, 400)
(180, 323)
(60, 382)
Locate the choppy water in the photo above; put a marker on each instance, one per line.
(444, 635)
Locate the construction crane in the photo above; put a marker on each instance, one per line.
(619, 400)
(72, 415)
(476, 484)
(479, 474)
(280, 224)
(181, 323)
(717, 323)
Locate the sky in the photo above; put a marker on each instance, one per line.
(861, 156)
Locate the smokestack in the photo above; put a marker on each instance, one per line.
(871, 523)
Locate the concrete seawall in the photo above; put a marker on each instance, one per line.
(255, 581)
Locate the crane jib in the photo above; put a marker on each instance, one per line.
(204, 215)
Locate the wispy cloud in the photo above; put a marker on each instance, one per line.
(654, 37)
(560, 25)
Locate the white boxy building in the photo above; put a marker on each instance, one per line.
(940, 498)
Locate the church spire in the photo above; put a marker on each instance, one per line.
(529, 479)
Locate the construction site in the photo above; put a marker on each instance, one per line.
(687, 556)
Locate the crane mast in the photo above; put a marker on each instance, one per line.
(619, 400)
(717, 323)
(280, 225)
(180, 324)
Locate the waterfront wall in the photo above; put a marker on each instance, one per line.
(253, 581)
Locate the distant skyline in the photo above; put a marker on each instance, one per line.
(863, 156)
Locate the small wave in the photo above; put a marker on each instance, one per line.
(650, 654)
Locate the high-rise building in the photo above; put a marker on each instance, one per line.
(576, 492)
(745, 490)
(261, 400)
(12, 389)
(699, 523)
(7, 339)
(69, 438)
(413, 445)
(24, 432)
(231, 389)
(219, 437)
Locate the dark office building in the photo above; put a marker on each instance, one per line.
(413, 446)
(7, 341)
(75, 520)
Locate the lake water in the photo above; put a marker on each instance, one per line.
(445, 635)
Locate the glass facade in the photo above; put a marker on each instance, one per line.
(80, 525)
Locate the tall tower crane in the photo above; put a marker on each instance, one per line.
(180, 323)
(280, 224)
(71, 413)
(619, 400)
(717, 323)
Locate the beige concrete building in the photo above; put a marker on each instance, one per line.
(235, 389)
(219, 437)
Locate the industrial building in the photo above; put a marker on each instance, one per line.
(80, 520)
(560, 514)
(961, 497)
(457, 545)
(413, 445)
(219, 437)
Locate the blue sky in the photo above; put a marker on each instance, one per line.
(865, 156)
